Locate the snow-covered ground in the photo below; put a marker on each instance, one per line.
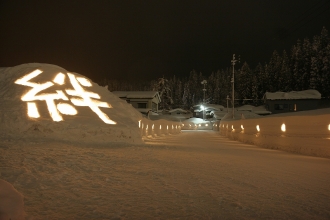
(80, 153)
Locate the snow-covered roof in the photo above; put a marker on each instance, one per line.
(306, 94)
(177, 110)
(136, 94)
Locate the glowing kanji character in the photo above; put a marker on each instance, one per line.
(86, 97)
(31, 95)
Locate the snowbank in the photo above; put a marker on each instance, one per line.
(84, 126)
(11, 202)
(306, 133)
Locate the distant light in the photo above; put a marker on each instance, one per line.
(147, 127)
(202, 107)
(153, 126)
(329, 127)
(283, 127)
(160, 126)
(232, 127)
(227, 126)
(167, 127)
(206, 125)
(242, 127)
(200, 125)
(258, 128)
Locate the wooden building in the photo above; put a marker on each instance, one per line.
(281, 102)
(144, 100)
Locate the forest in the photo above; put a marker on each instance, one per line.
(306, 66)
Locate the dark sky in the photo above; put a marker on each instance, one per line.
(147, 39)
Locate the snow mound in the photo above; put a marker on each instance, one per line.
(69, 107)
(11, 202)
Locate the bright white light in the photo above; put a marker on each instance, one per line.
(258, 128)
(329, 127)
(160, 126)
(167, 127)
(283, 127)
(202, 107)
(59, 79)
(140, 124)
(85, 82)
(66, 109)
(242, 127)
(206, 125)
(182, 125)
(32, 110)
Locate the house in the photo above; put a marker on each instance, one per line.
(141, 100)
(280, 102)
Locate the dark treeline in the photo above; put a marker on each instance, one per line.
(306, 66)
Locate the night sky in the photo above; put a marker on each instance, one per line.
(148, 39)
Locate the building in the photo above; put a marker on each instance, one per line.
(280, 102)
(141, 100)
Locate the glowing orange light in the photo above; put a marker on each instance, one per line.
(86, 100)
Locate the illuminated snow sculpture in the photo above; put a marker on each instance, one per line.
(81, 96)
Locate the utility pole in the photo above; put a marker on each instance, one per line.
(204, 82)
(233, 61)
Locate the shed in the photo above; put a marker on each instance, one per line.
(140, 99)
(280, 102)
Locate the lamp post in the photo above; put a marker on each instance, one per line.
(204, 82)
(233, 61)
(227, 102)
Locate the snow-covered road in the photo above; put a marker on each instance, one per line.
(193, 175)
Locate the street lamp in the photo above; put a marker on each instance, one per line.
(204, 82)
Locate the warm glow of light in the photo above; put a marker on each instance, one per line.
(66, 109)
(258, 128)
(33, 110)
(59, 79)
(147, 127)
(206, 125)
(153, 126)
(242, 127)
(85, 99)
(176, 127)
(283, 127)
(182, 125)
(25, 79)
(140, 124)
(167, 127)
(329, 127)
(200, 125)
(85, 82)
(189, 125)
(232, 127)
(227, 126)
(160, 126)
(172, 127)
